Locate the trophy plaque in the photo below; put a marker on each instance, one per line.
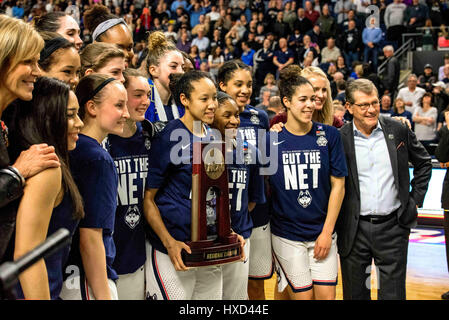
(212, 240)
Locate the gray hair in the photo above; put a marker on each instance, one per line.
(363, 85)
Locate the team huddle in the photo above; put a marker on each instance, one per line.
(121, 180)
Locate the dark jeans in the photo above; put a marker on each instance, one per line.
(387, 244)
(371, 54)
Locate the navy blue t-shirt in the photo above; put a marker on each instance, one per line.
(252, 123)
(95, 174)
(300, 188)
(283, 56)
(173, 177)
(131, 159)
(245, 185)
(61, 217)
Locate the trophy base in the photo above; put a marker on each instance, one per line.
(212, 252)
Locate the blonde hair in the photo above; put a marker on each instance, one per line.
(325, 115)
(96, 55)
(158, 45)
(18, 42)
(269, 76)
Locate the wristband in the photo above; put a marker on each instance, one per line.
(17, 172)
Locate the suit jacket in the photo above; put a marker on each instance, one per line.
(403, 147)
(442, 154)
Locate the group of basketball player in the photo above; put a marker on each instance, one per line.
(110, 177)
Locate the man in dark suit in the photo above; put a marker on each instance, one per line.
(442, 154)
(378, 209)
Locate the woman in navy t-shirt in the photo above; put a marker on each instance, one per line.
(246, 189)
(167, 203)
(103, 110)
(51, 198)
(130, 153)
(307, 191)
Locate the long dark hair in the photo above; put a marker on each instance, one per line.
(44, 120)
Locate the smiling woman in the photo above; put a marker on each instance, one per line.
(103, 109)
(19, 70)
(108, 28)
(60, 59)
(169, 213)
(61, 23)
(103, 58)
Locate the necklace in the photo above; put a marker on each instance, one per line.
(4, 133)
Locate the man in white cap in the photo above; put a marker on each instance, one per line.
(440, 96)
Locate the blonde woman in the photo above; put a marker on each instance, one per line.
(19, 56)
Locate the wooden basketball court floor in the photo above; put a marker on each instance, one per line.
(427, 274)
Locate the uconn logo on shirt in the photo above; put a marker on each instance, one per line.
(301, 172)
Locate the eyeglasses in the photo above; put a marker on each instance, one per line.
(365, 106)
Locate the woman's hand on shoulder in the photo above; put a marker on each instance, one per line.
(37, 158)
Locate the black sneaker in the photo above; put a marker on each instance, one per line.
(445, 296)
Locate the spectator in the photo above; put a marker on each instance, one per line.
(195, 11)
(260, 33)
(217, 40)
(282, 57)
(352, 42)
(339, 110)
(295, 42)
(195, 55)
(415, 15)
(290, 14)
(178, 3)
(427, 79)
(371, 37)
(247, 54)
(264, 102)
(411, 94)
(233, 35)
(394, 21)
(341, 87)
(341, 67)
(146, 19)
(392, 71)
(263, 63)
(275, 107)
(202, 24)
(327, 23)
(215, 61)
(279, 27)
(310, 13)
(201, 41)
(157, 25)
(399, 111)
(441, 68)
(317, 37)
(302, 23)
(446, 74)
(18, 11)
(352, 16)
(214, 14)
(341, 9)
(252, 43)
(330, 52)
(170, 33)
(270, 86)
(385, 106)
(306, 48)
(183, 43)
(440, 96)
(425, 119)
